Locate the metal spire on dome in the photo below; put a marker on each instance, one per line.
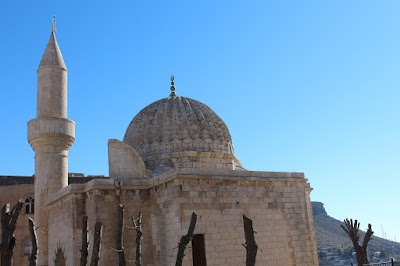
(53, 25)
(172, 86)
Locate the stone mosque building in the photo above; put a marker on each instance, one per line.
(176, 158)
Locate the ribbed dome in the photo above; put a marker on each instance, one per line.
(176, 127)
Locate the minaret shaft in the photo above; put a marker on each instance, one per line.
(52, 92)
(50, 134)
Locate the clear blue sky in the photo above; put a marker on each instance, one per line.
(305, 86)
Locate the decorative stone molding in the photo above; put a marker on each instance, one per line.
(52, 139)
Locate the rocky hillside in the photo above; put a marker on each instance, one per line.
(329, 235)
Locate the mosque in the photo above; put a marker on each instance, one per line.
(176, 158)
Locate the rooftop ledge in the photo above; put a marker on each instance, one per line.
(148, 183)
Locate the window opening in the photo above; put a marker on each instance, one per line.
(30, 205)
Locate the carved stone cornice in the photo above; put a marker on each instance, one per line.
(52, 139)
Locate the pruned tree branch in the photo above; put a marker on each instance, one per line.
(185, 240)
(251, 245)
(352, 231)
(33, 256)
(96, 244)
(138, 227)
(120, 235)
(85, 243)
(367, 238)
(8, 223)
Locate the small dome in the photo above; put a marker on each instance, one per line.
(180, 132)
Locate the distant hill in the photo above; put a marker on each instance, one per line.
(329, 234)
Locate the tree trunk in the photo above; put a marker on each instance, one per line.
(138, 228)
(85, 244)
(8, 222)
(251, 245)
(185, 240)
(120, 235)
(352, 231)
(96, 244)
(33, 256)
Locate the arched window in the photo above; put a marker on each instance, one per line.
(27, 248)
(30, 205)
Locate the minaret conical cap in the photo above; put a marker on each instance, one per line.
(52, 56)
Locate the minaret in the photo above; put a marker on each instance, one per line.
(50, 134)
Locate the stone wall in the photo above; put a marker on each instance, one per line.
(102, 205)
(13, 188)
(278, 204)
(278, 209)
(61, 234)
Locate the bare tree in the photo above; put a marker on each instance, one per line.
(120, 235)
(250, 245)
(137, 225)
(185, 240)
(8, 222)
(85, 243)
(352, 231)
(96, 244)
(32, 231)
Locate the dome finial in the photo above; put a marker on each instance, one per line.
(172, 86)
(53, 25)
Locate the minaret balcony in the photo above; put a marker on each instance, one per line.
(55, 132)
